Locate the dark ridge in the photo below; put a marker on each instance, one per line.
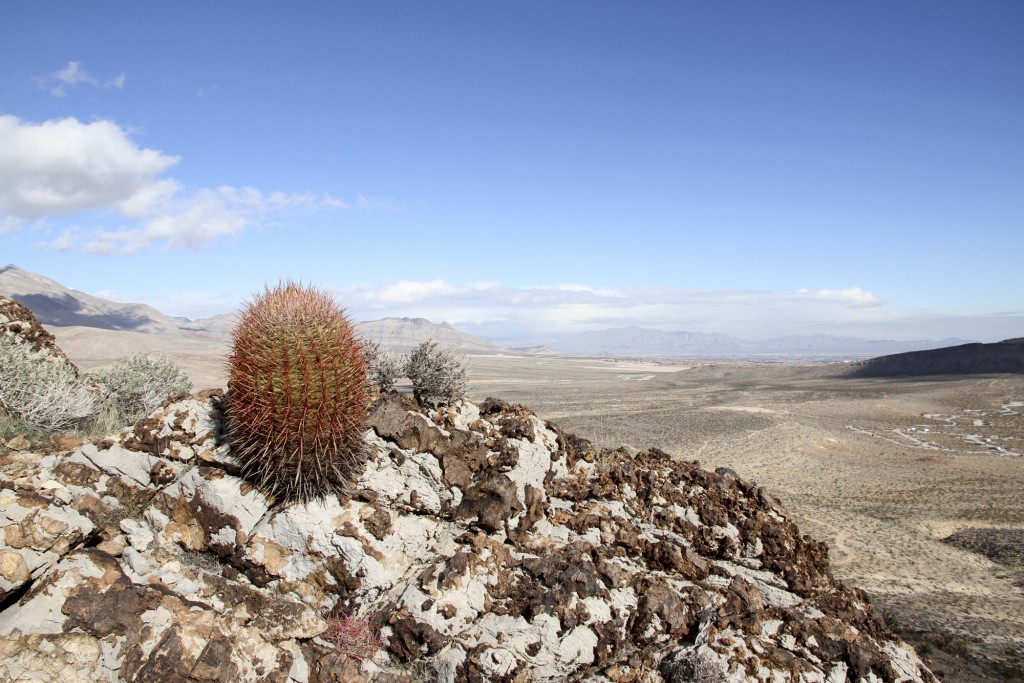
(1005, 546)
(966, 359)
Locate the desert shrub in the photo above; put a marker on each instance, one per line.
(437, 375)
(298, 394)
(384, 367)
(892, 620)
(135, 386)
(44, 393)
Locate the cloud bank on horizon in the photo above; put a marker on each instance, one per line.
(537, 314)
(755, 172)
(540, 314)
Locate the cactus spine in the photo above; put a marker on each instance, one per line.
(298, 394)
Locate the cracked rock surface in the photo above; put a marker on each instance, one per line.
(479, 542)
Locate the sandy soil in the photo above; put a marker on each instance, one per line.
(883, 470)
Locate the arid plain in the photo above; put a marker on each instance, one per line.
(883, 470)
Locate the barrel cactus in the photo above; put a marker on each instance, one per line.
(298, 394)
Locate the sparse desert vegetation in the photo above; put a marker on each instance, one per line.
(42, 393)
(136, 385)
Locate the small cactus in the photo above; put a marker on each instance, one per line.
(298, 394)
(353, 637)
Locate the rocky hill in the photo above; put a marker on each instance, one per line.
(404, 334)
(965, 359)
(479, 543)
(56, 305)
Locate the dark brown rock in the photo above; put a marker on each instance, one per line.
(457, 472)
(111, 606)
(536, 505)
(662, 614)
(378, 523)
(671, 557)
(408, 430)
(161, 473)
(453, 570)
(489, 502)
(412, 638)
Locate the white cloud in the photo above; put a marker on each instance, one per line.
(193, 222)
(333, 202)
(376, 203)
(64, 167)
(405, 292)
(9, 224)
(149, 199)
(73, 75)
(253, 199)
(600, 291)
(63, 242)
(854, 295)
(196, 221)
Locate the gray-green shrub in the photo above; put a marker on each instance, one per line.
(384, 367)
(135, 386)
(437, 375)
(43, 392)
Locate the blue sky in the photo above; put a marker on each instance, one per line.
(528, 169)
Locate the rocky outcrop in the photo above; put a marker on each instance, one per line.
(479, 543)
(19, 324)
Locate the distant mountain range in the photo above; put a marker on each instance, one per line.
(643, 342)
(404, 334)
(94, 330)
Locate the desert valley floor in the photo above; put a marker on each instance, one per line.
(882, 469)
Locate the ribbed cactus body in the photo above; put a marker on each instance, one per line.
(298, 394)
